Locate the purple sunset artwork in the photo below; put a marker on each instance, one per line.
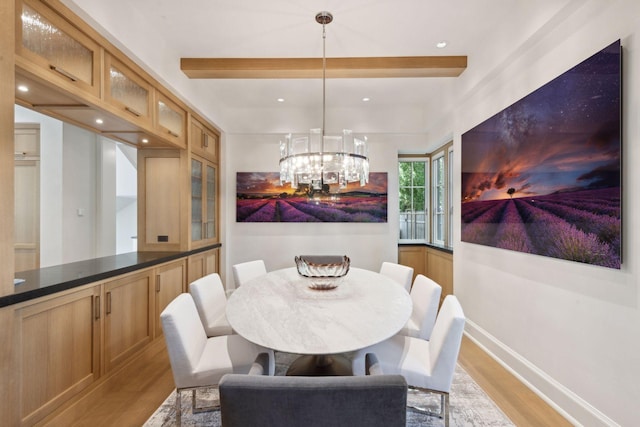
(261, 198)
(543, 176)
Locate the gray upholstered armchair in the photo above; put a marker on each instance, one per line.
(365, 401)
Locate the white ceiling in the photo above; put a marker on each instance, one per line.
(159, 32)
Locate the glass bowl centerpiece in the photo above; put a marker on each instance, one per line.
(324, 271)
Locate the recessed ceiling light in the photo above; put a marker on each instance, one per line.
(280, 99)
(366, 99)
(145, 140)
(441, 44)
(23, 88)
(99, 121)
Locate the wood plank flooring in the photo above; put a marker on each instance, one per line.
(131, 395)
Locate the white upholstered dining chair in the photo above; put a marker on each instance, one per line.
(200, 362)
(211, 301)
(402, 274)
(246, 271)
(425, 297)
(427, 366)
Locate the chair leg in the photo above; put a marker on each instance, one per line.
(178, 408)
(445, 408)
(196, 410)
(444, 405)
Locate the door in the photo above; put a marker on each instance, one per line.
(27, 197)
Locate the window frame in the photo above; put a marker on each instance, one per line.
(427, 196)
(446, 153)
(438, 189)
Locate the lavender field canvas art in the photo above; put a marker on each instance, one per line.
(543, 176)
(261, 198)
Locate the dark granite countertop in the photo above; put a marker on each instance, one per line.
(49, 280)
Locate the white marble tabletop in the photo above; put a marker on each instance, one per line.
(279, 311)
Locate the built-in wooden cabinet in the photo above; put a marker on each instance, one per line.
(127, 91)
(59, 350)
(127, 317)
(203, 264)
(171, 120)
(60, 51)
(431, 262)
(170, 282)
(161, 200)
(66, 342)
(204, 141)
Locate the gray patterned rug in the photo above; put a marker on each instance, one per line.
(468, 404)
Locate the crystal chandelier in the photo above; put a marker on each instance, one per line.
(319, 160)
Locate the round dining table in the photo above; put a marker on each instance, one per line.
(279, 310)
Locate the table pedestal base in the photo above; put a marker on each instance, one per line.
(321, 365)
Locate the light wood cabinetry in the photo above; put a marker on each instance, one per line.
(171, 120)
(127, 314)
(203, 264)
(170, 282)
(66, 342)
(58, 51)
(431, 262)
(127, 91)
(59, 350)
(204, 195)
(162, 203)
(204, 141)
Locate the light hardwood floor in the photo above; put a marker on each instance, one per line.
(130, 396)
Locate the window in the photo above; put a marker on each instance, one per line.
(438, 203)
(413, 195)
(426, 199)
(449, 241)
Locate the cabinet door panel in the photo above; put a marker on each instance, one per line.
(65, 53)
(171, 120)
(170, 282)
(127, 91)
(59, 350)
(127, 317)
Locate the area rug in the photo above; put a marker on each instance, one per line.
(468, 404)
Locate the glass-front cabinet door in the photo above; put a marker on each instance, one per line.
(127, 91)
(203, 201)
(196, 200)
(49, 41)
(171, 120)
(210, 197)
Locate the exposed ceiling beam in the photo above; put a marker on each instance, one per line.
(305, 68)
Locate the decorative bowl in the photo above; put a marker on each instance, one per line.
(324, 271)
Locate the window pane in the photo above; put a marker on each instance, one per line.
(405, 199)
(418, 174)
(404, 174)
(418, 199)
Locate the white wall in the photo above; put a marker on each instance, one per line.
(278, 243)
(570, 330)
(50, 184)
(79, 196)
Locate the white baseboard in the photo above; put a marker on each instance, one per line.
(576, 410)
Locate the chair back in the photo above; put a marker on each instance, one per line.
(246, 271)
(185, 337)
(398, 272)
(444, 345)
(425, 296)
(210, 299)
(282, 401)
